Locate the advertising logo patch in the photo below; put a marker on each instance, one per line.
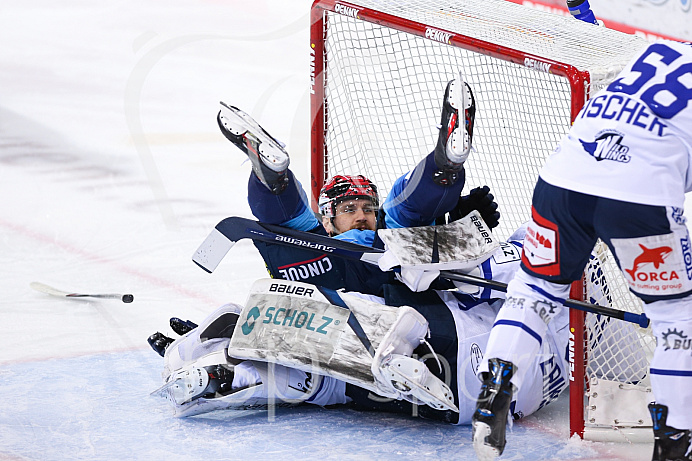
(249, 324)
(541, 246)
(676, 340)
(648, 256)
(608, 146)
(655, 265)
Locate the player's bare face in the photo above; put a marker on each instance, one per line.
(358, 213)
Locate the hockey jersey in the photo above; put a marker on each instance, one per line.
(633, 140)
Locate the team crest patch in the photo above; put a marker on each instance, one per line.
(653, 265)
(608, 146)
(541, 246)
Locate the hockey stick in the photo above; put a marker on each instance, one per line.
(43, 288)
(230, 230)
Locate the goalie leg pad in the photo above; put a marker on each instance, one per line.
(199, 376)
(296, 325)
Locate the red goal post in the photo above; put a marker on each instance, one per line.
(378, 73)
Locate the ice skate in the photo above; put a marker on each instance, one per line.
(269, 158)
(454, 140)
(397, 373)
(415, 382)
(192, 383)
(489, 421)
(669, 443)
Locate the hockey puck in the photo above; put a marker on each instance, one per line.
(128, 298)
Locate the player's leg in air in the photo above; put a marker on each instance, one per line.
(434, 186)
(274, 194)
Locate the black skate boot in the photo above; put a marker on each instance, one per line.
(669, 443)
(489, 421)
(182, 327)
(159, 342)
(454, 140)
(268, 156)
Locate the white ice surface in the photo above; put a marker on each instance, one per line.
(112, 172)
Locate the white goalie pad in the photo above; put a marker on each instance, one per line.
(185, 377)
(460, 245)
(301, 326)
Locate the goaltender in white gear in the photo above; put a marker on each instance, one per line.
(284, 350)
(295, 324)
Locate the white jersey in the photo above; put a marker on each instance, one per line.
(549, 371)
(633, 140)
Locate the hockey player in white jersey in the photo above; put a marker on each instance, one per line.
(620, 174)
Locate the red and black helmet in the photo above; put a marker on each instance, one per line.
(342, 187)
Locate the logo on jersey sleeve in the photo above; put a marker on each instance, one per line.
(541, 246)
(608, 146)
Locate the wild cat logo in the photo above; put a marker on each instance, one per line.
(608, 146)
(676, 340)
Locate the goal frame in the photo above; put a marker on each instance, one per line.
(579, 82)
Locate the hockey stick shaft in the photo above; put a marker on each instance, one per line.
(43, 288)
(234, 229)
(640, 319)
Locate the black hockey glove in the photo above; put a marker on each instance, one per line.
(182, 327)
(479, 199)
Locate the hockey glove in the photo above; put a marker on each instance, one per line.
(182, 327)
(479, 199)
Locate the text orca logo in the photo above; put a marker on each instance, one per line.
(653, 256)
(608, 146)
(676, 340)
(249, 324)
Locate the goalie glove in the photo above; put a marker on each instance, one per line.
(479, 199)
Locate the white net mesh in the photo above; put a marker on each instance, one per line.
(383, 102)
(383, 96)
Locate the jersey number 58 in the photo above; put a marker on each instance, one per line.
(664, 99)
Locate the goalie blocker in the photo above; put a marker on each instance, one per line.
(295, 342)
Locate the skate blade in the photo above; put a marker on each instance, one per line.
(484, 452)
(273, 154)
(445, 402)
(164, 391)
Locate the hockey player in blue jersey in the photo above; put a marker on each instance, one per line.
(620, 174)
(350, 205)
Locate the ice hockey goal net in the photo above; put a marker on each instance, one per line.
(379, 69)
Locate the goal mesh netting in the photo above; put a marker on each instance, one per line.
(380, 71)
